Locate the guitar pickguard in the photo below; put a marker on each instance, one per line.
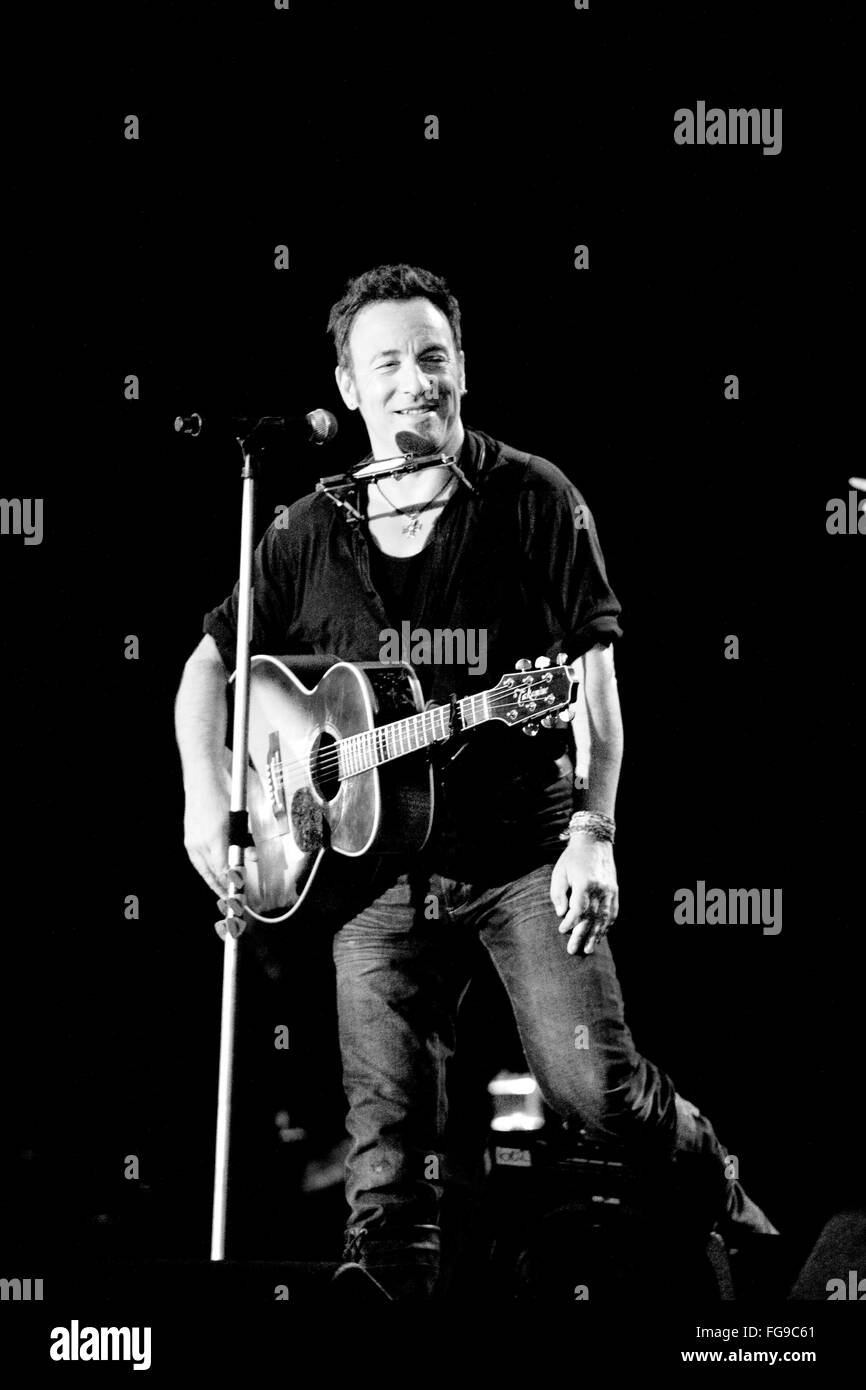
(309, 826)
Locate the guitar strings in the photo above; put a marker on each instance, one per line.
(328, 760)
(330, 757)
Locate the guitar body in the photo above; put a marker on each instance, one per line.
(299, 804)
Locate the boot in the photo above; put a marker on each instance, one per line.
(402, 1264)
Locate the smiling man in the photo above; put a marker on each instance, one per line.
(521, 857)
(402, 367)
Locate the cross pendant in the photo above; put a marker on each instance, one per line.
(412, 527)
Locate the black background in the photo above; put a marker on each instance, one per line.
(155, 257)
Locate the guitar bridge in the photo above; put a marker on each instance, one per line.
(274, 785)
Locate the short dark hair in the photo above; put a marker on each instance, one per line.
(384, 283)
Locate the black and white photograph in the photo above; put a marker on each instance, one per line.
(432, 560)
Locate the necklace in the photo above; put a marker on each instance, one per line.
(413, 512)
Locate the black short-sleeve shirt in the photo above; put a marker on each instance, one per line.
(518, 560)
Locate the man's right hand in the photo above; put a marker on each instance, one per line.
(206, 826)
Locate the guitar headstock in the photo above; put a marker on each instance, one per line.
(531, 694)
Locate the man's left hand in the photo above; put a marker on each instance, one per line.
(583, 886)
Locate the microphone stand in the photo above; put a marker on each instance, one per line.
(232, 926)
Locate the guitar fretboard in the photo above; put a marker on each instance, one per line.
(373, 747)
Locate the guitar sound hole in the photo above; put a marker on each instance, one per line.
(323, 766)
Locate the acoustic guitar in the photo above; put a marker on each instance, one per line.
(346, 766)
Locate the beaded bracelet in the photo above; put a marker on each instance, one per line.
(593, 823)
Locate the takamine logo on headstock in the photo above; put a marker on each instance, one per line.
(530, 696)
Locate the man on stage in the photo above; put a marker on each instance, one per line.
(520, 857)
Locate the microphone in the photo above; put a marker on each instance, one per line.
(408, 442)
(319, 427)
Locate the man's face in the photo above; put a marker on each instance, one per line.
(406, 375)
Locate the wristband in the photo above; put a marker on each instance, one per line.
(593, 823)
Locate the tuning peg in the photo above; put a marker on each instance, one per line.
(542, 662)
(524, 664)
(566, 715)
(561, 659)
(549, 721)
(530, 729)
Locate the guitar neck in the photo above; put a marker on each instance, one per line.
(373, 747)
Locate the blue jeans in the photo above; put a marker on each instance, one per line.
(401, 974)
